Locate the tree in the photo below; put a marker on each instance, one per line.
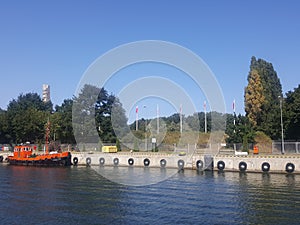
(62, 122)
(29, 125)
(254, 98)
(29, 100)
(118, 118)
(292, 114)
(5, 137)
(83, 114)
(241, 132)
(197, 121)
(27, 116)
(95, 110)
(268, 117)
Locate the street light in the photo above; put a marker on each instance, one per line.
(281, 121)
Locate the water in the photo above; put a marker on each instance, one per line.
(79, 195)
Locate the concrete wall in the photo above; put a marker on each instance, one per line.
(254, 163)
(154, 159)
(277, 163)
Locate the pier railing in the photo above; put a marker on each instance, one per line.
(289, 147)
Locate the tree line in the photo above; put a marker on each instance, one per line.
(25, 117)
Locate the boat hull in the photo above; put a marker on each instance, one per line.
(47, 161)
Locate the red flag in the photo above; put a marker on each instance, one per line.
(204, 106)
(137, 109)
(233, 105)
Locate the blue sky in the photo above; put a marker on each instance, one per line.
(54, 42)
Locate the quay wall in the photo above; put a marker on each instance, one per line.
(247, 163)
(254, 163)
(138, 159)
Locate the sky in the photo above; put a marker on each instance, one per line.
(55, 42)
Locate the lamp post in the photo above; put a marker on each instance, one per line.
(281, 121)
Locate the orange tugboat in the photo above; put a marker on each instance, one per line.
(23, 156)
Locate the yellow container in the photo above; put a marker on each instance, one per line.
(109, 149)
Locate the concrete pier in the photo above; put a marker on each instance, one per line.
(219, 162)
(259, 163)
(249, 163)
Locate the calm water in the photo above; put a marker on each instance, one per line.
(79, 195)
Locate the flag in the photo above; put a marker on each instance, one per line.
(233, 105)
(137, 109)
(204, 106)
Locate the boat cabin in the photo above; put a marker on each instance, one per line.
(22, 151)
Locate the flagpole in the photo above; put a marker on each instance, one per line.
(180, 117)
(157, 117)
(136, 118)
(205, 119)
(233, 107)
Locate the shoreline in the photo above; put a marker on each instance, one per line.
(260, 163)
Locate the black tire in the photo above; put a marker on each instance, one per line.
(180, 164)
(289, 167)
(221, 165)
(88, 161)
(242, 166)
(116, 161)
(101, 161)
(163, 163)
(199, 164)
(265, 167)
(75, 161)
(1, 158)
(130, 161)
(146, 162)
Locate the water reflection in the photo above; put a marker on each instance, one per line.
(134, 176)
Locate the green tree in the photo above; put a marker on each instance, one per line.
(254, 98)
(5, 136)
(27, 116)
(83, 114)
(239, 132)
(29, 125)
(62, 122)
(291, 108)
(95, 110)
(29, 100)
(268, 118)
(197, 121)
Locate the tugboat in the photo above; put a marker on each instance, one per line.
(23, 155)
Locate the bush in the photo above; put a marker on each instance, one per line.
(263, 142)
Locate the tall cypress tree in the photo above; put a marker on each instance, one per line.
(269, 118)
(254, 98)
